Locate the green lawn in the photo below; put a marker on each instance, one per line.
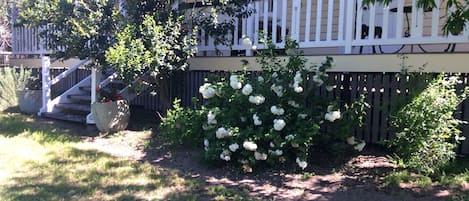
(43, 162)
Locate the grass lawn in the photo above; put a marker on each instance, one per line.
(43, 162)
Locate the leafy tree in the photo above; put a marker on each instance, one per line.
(132, 36)
(456, 20)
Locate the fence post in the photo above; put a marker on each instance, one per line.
(349, 26)
(46, 88)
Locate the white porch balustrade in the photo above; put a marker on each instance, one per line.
(340, 24)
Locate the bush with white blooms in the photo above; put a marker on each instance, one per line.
(270, 117)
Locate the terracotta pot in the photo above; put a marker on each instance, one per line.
(111, 116)
(30, 101)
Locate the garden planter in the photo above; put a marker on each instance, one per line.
(30, 101)
(111, 116)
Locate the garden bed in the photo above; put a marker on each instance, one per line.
(361, 177)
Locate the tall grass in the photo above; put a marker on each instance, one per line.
(12, 79)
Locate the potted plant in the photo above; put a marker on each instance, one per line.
(30, 97)
(111, 112)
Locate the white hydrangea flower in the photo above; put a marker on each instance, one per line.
(360, 146)
(247, 41)
(222, 132)
(274, 75)
(295, 145)
(211, 118)
(279, 124)
(302, 115)
(236, 85)
(233, 147)
(318, 80)
(206, 127)
(206, 144)
(256, 119)
(297, 88)
(277, 110)
(247, 89)
(234, 82)
(351, 140)
(293, 104)
(271, 144)
(257, 100)
(298, 77)
(207, 91)
(332, 116)
(250, 146)
(260, 79)
(243, 119)
(278, 152)
(225, 155)
(330, 88)
(289, 137)
(330, 108)
(260, 156)
(301, 164)
(254, 47)
(278, 89)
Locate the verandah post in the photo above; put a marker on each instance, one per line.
(95, 81)
(46, 88)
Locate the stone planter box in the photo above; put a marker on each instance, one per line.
(111, 116)
(30, 101)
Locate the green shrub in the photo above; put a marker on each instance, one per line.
(182, 125)
(274, 117)
(426, 130)
(12, 80)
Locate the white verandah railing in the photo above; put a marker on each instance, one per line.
(341, 24)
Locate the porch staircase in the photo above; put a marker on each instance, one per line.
(75, 103)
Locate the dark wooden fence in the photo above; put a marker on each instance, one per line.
(383, 90)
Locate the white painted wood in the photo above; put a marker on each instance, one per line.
(350, 12)
(435, 19)
(308, 21)
(265, 19)
(413, 20)
(284, 21)
(274, 20)
(372, 23)
(330, 14)
(250, 22)
(236, 35)
(399, 18)
(295, 20)
(255, 36)
(385, 23)
(318, 20)
(68, 72)
(359, 20)
(46, 86)
(341, 20)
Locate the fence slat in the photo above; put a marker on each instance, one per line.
(385, 107)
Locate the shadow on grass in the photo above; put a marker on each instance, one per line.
(77, 174)
(14, 124)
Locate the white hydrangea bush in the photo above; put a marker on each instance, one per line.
(270, 117)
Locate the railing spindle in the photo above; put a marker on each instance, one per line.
(330, 15)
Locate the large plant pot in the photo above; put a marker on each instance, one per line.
(30, 101)
(111, 116)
